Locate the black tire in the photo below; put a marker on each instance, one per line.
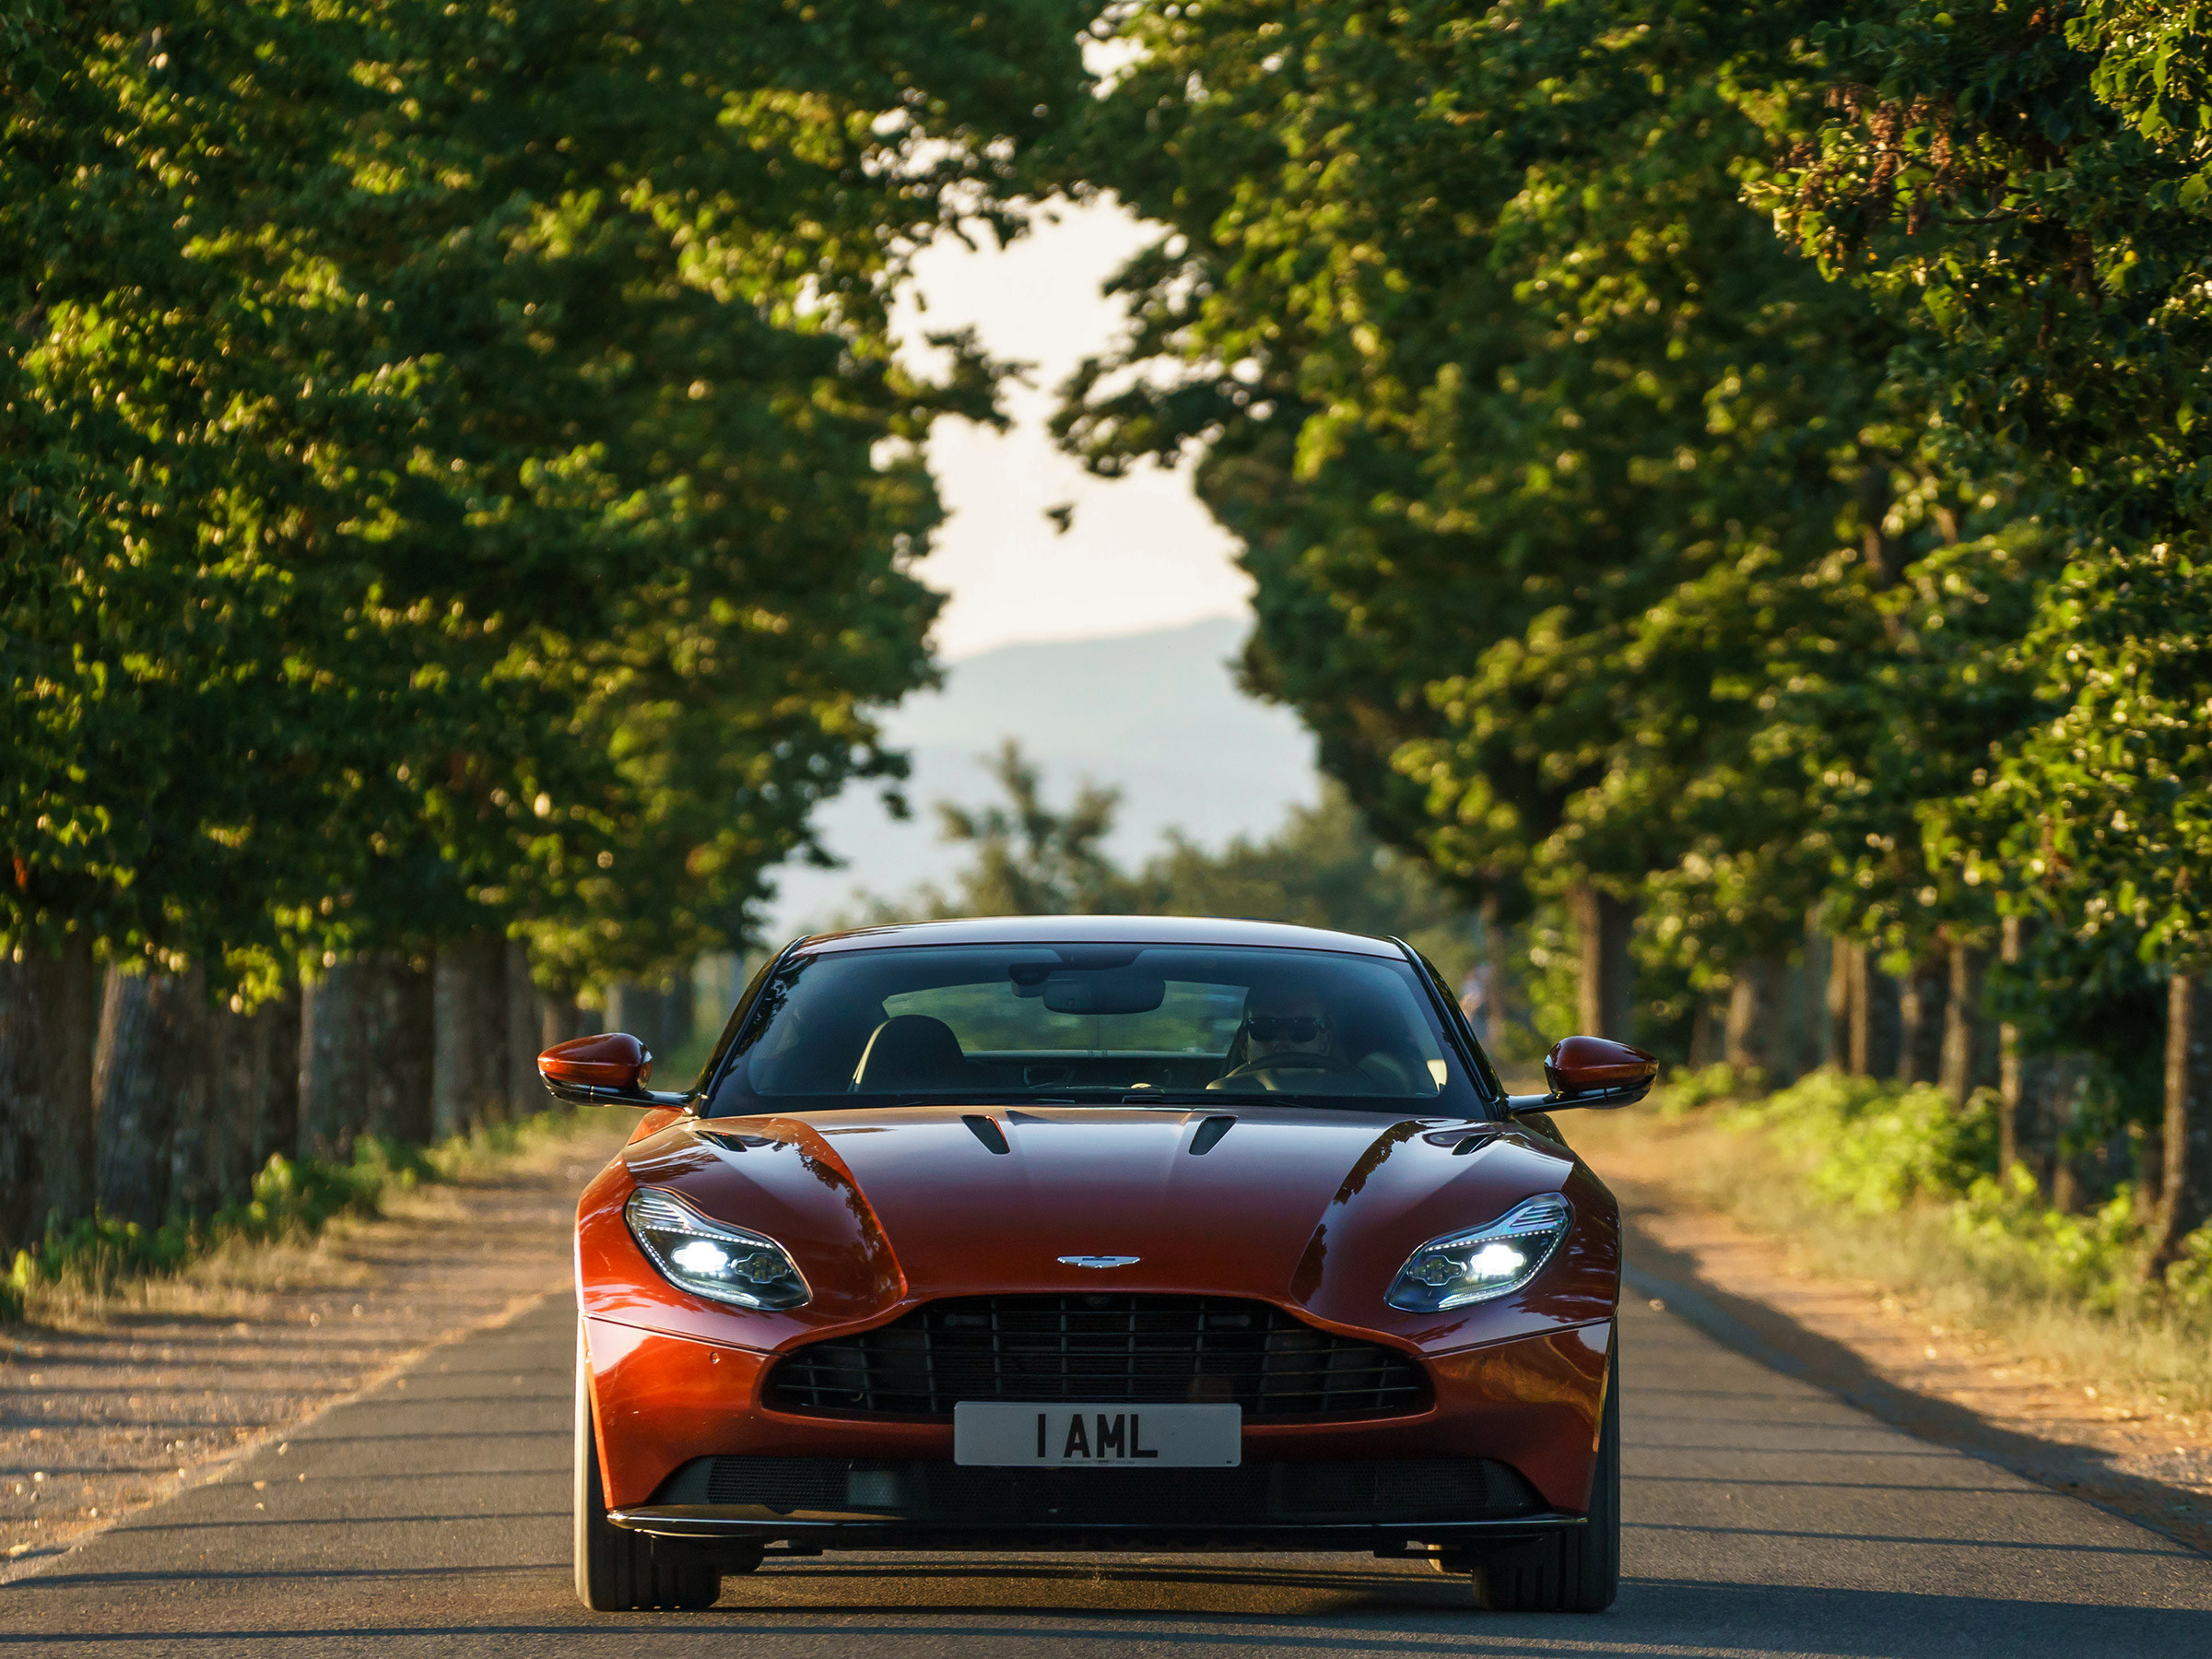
(1577, 1571)
(619, 1571)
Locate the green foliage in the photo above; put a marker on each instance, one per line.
(1875, 1146)
(1746, 459)
(2023, 191)
(1685, 1090)
(456, 469)
(291, 1199)
(1539, 441)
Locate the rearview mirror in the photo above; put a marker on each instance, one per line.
(608, 1069)
(1108, 991)
(1590, 1071)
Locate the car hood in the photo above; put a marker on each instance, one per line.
(1306, 1206)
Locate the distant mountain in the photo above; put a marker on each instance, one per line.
(1156, 715)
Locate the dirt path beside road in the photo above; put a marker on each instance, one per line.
(130, 1402)
(1889, 1355)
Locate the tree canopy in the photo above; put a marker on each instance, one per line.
(1742, 459)
(458, 474)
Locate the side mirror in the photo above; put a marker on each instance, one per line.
(609, 1069)
(1590, 1071)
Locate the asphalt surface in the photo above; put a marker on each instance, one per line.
(1763, 1516)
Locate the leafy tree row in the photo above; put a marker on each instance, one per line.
(1711, 465)
(456, 482)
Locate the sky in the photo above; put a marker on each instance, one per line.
(1160, 717)
(1143, 554)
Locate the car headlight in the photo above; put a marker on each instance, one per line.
(1489, 1260)
(712, 1258)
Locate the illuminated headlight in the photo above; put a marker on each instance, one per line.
(1490, 1261)
(712, 1258)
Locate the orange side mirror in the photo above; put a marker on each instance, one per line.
(1592, 1071)
(608, 1069)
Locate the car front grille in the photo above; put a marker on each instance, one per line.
(1250, 1494)
(1110, 1349)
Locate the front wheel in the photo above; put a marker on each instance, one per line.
(1577, 1571)
(617, 1571)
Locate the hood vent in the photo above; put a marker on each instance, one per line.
(987, 1131)
(1209, 1134)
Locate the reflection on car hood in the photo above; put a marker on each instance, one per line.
(1313, 1205)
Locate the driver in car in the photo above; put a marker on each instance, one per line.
(1288, 1038)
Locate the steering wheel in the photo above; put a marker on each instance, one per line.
(1265, 1071)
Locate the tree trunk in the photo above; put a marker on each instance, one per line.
(334, 1062)
(559, 1019)
(1923, 995)
(257, 1078)
(1961, 1020)
(1815, 1041)
(2011, 1077)
(1874, 1016)
(150, 1075)
(2185, 1182)
(1704, 1032)
(1805, 1010)
(49, 1025)
(489, 1000)
(1756, 1033)
(526, 1090)
(452, 1045)
(1602, 925)
(469, 1052)
(680, 998)
(2059, 1079)
(1495, 1015)
(633, 1008)
(398, 1022)
(1842, 977)
(2046, 1090)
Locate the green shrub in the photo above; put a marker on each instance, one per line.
(1874, 1146)
(1685, 1090)
(288, 1198)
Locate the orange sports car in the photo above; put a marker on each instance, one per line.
(1097, 1233)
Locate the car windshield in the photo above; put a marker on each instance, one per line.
(1078, 1022)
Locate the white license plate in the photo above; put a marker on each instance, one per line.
(1119, 1437)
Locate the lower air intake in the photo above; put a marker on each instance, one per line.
(950, 1494)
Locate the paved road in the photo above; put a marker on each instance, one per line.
(1763, 1517)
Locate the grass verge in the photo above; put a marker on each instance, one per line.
(1896, 1185)
(292, 1202)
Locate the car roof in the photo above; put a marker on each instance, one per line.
(1103, 930)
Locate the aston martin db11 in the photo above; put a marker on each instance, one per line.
(1094, 1233)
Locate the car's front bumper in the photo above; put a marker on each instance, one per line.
(663, 1401)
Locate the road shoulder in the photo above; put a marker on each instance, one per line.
(1867, 1344)
(164, 1389)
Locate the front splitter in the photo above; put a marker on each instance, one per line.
(716, 1524)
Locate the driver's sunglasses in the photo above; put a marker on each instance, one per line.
(1280, 1028)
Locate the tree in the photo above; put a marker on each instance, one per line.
(457, 475)
(1538, 443)
(2024, 190)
